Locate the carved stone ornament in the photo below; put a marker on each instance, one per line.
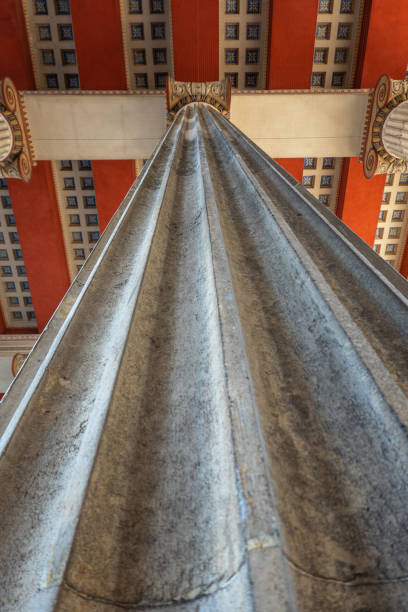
(215, 93)
(377, 158)
(17, 362)
(15, 156)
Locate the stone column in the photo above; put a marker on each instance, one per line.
(215, 418)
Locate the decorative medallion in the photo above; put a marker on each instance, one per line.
(17, 362)
(215, 93)
(15, 155)
(380, 158)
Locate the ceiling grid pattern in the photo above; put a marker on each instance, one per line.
(336, 46)
(391, 233)
(243, 40)
(15, 296)
(146, 27)
(77, 207)
(148, 46)
(52, 43)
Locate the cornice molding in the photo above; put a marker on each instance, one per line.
(94, 92)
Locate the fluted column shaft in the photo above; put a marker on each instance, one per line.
(218, 418)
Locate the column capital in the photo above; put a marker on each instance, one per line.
(181, 93)
(383, 150)
(16, 160)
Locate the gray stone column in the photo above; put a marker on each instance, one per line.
(215, 418)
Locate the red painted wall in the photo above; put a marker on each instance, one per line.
(360, 200)
(98, 39)
(2, 324)
(385, 51)
(195, 39)
(291, 43)
(37, 219)
(293, 165)
(99, 45)
(15, 59)
(113, 180)
(387, 42)
(15, 62)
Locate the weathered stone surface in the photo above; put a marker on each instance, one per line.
(218, 419)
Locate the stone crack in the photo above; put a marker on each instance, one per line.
(348, 583)
(188, 598)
